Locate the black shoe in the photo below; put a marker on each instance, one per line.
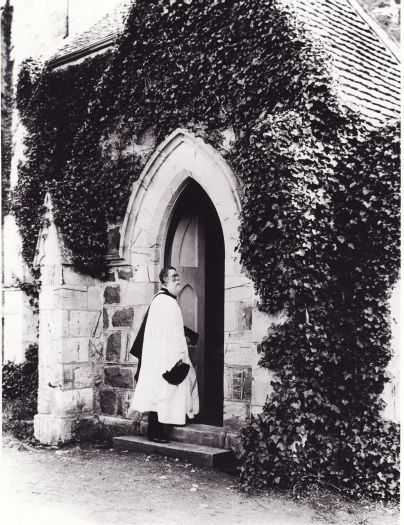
(158, 439)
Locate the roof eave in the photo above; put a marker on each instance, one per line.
(82, 53)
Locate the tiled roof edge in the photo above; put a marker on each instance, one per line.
(83, 52)
(377, 29)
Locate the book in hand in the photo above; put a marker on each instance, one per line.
(177, 374)
(192, 336)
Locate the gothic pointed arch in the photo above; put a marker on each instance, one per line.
(180, 157)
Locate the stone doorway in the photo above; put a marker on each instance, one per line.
(185, 163)
(194, 245)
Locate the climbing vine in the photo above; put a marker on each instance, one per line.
(322, 244)
(6, 103)
(319, 223)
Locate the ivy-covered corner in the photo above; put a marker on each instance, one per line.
(319, 230)
(326, 251)
(6, 104)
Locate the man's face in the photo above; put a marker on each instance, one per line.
(173, 282)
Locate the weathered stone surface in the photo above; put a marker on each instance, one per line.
(108, 401)
(67, 376)
(124, 399)
(139, 313)
(145, 273)
(137, 293)
(80, 323)
(50, 328)
(119, 377)
(123, 317)
(44, 400)
(50, 375)
(96, 346)
(230, 317)
(72, 297)
(237, 293)
(98, 374)
(95, 297)
(48, 299)
(72, 276)
(232, 441)
(244, 316)
(232, 265)
(204, 435)
(51, 430)
(235, 415)
(52, 275)
(127, 338)
(114, 238)
(75, 349)
(105, 318)
(73, 402)
(112, 294)
(210, 457)
(247, 385)
(240, 336)
(117, 426)
(83, 376)
(237, 353)
(125, 274)
(87, 429)
(237, 288)
(113, 347)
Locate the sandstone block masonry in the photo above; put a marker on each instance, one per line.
(125, 302)
(70, 338)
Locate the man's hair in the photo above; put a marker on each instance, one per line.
(163, 275)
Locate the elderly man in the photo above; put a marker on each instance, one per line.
(159, 345)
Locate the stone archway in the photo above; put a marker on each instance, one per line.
(180, 156)
(178, 159)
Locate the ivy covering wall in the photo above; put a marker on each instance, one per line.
(6, 102)
(320, 219)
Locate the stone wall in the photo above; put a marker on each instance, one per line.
(237, 351)
(125, 302)
(70, 349)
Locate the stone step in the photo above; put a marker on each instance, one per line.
(202, 455)
(197, 434)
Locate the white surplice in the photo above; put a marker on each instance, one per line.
(164, 344)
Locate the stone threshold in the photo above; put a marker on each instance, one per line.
(201, 455)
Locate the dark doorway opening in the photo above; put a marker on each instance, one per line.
(195, 246)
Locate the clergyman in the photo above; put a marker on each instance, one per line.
(160, 345)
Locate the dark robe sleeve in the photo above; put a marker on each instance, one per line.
(137, 346)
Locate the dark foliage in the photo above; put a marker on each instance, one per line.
(20, 394)
(6, 104)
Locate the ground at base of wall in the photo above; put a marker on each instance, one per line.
(86, 485)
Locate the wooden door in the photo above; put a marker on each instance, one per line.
(188, 257)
